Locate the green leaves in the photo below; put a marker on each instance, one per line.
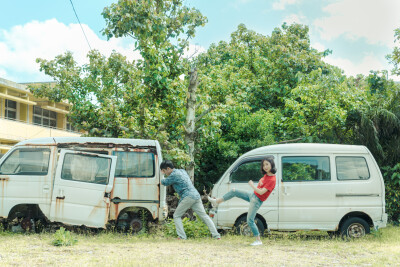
(63, 238)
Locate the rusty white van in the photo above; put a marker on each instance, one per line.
(83, 181)
(334, 188)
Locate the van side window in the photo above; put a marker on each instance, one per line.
(303, 168)
(86, 168)
(27, 161)
(352, 168)
(134, 164)
(250, 170)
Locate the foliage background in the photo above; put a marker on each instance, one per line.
(260, 90)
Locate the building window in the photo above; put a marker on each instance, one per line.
(70, 127)
(44, 117)
(11, 109)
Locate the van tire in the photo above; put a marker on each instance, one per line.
(132, 222)
(242, 228)
(354, 227)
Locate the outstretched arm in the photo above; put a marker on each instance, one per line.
(168, 181)
(260, 191)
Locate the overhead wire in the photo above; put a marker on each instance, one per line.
(80, 24)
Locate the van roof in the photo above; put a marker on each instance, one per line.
(307, 148)
(82, 140)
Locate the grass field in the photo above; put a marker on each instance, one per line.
(279, 249)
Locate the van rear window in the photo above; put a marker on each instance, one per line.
(27, 161)
(304, 168)
(134, 164)
(352, 168)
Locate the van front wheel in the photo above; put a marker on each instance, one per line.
(242, 228)
(354, 228)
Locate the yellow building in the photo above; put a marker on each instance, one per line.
(23, 116)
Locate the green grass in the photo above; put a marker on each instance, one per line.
(279, 249)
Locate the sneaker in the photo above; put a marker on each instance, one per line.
(213, 201)
(256, 243)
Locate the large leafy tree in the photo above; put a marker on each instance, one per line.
(376, 123)
(317, 108)
(257, 74)
(394, 58)
(143, 99)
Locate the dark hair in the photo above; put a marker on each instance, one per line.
(165, 164)
(272, 162)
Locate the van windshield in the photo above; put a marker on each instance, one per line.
(27, 161)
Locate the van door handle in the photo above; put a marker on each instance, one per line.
(60, 194)
(46, 188)
(284, 191)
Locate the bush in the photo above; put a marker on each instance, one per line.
(391, 175)
(193, 229)
(63, 238)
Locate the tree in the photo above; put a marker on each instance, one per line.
(377, 122)
(150, 99)
(100, 91)
(316, 110)
(394, 58)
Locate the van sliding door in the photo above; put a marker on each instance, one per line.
(307, 195)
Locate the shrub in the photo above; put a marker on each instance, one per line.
(391, 176)
(63, 238)
(193, 229)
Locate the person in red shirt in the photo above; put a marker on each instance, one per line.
(264, 188)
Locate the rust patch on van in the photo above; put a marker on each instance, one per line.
(129, 188)
(116, 205)
(95, 208)
(59, 206)
(4, 181)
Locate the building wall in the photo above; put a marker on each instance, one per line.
(22, 128)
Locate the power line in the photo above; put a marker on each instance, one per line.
(80, 24)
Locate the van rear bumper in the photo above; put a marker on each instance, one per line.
(382, 223)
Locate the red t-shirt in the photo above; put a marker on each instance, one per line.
(266, 182)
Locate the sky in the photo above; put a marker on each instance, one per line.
(360, 33)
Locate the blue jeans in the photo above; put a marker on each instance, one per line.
(255, 204)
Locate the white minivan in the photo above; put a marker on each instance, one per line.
(83, 181)
(327, 187)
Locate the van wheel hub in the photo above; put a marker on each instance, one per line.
(136, 224)
(26, 224)
(356, 230)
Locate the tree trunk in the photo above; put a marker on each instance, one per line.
(190, 127)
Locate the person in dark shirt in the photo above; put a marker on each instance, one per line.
(189, 198)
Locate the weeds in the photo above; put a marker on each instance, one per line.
(193, 229)
(63, 238)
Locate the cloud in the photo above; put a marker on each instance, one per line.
(368, 63)
(281, 4)
(320, 47)
(354, 19)
(293, 18)
(193, 51)
(22, 44)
